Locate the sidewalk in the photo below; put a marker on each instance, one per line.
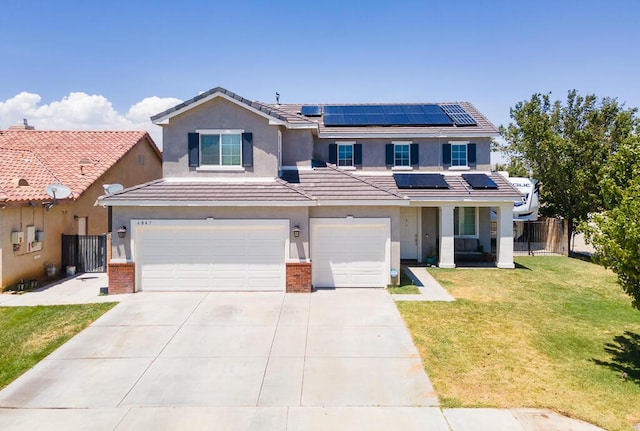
(81, 289)
(430, 289)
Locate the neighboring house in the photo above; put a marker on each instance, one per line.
(84, 161)
(260, 196)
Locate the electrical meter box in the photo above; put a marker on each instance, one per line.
(17, 237)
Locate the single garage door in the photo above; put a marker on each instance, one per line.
(350, 252)
(216, 255)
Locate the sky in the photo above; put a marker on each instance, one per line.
(111, 65)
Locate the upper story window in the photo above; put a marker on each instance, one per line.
(345, 154)
(223, 149)
(402, 155)
(459, 154)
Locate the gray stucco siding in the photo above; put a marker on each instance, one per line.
(430, 152)
(219, 114)
(297, 147)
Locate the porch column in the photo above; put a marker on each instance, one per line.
(446, 237)
(504, 240)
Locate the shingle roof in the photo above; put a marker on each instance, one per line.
(45, 157)
(484, 126)
(168, 190)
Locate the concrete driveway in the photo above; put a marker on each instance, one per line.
(335, 359)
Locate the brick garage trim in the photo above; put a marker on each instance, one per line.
(299, 277)
(122, 278)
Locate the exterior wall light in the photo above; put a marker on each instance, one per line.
(296, 231)
(122, 232)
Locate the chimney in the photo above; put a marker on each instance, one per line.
(22, 125)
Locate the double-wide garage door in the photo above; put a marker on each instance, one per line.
(224, 255)
(350, 252)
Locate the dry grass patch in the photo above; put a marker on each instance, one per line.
(554, 333)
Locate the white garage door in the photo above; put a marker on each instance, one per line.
(224, 255)
(350, 252)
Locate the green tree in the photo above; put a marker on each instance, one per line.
(564, 145)
(615, 232)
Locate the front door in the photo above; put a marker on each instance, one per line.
(409, 233)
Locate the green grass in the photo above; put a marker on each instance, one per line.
(554, 333)
(406, 286)
(30, 333)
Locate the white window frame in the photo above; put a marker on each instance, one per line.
(408, 166)
(461, 223)
(466, 154)
(353, 154)
(220, 166)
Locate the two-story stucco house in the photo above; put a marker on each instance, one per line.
(258, 196)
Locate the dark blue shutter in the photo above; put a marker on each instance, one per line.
(471, 154)
(446, 154)
(194, 149)
(389, 154)
(247, 149)
(333, 153)
(415, 155)
(357, 154)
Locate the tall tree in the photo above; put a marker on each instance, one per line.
(615, 232)
(564, 145)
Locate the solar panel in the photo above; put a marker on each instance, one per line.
(420, 181)
(459, 116)
(311, 111)
(385, 115)
(479, 181)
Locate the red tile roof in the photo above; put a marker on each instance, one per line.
(75, 159)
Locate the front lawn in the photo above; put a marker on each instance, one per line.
(554, 333)
(28, 334)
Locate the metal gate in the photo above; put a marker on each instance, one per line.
(88, 253)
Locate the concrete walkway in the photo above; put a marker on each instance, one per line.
(335, 359)
(430, 289)
(81, 289)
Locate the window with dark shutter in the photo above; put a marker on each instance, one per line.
(446, 154)
(357, 154)
(389, 154)
(333, 154)
(247, 149)
(471, 154)
(194, 149)
(415, 155)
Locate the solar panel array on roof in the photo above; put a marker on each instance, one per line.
(479, 181)
(311, 111)
(385, 115)
(420, 181)
(459, 116)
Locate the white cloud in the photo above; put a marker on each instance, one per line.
(81, 111)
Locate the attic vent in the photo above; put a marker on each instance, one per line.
(20, 182)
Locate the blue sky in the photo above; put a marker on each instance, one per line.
(492, 54)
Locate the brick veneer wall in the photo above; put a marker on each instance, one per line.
(299, 277)
(121, 278)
